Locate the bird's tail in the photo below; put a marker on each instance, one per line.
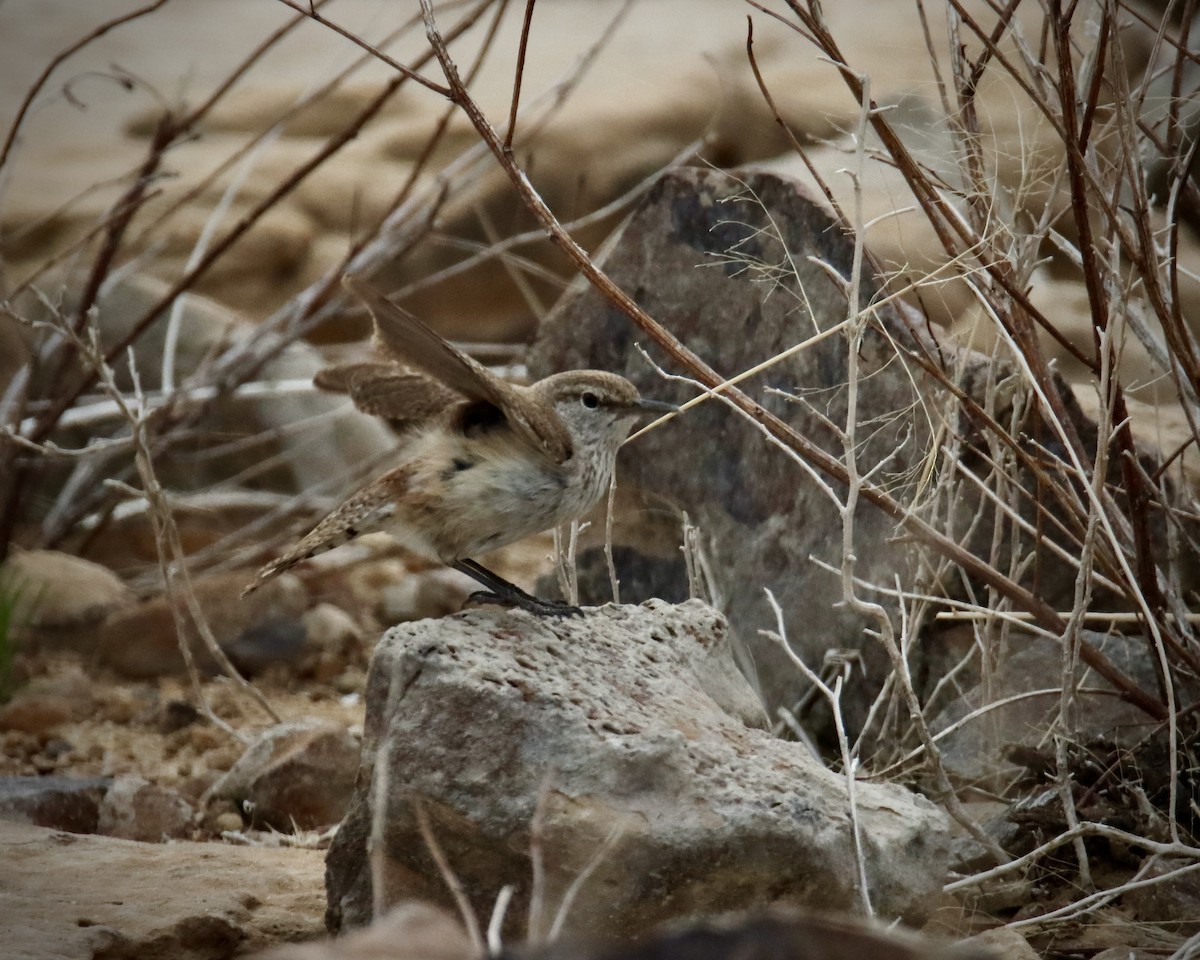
(365, 512)
(270, 571)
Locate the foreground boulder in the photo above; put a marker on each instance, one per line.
(623, 745)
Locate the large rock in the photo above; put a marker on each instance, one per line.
(774, 935)
(631, 738)
(741, 267)
(417, 931)
(67, 897)
(980, 750)
(726, 264)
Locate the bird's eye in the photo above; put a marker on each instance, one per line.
(589, 400)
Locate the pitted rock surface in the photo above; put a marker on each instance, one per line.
(625, 733)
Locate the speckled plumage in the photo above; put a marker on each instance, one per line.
(486, 462)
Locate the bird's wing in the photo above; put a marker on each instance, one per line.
(386, 390)
(337, 378)
(412, 342)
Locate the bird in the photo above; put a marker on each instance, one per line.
(485, 462)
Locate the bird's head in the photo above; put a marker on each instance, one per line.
(597, 407)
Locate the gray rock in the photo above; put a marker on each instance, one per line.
(686, 255)
(430, 593)
(978, 752)
(725, 261)
(281, 640)
(1174, 901)
(626, 731)
(297, 774)
(60, 803)
(135, 809)
(331, 629)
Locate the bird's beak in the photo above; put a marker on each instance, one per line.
(655, 406)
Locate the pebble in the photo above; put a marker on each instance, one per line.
(330, 628)
(353, 680)
(30, 713)
(176, 715)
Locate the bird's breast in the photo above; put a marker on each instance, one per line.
(497, 492)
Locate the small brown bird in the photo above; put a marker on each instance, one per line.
(486, 463)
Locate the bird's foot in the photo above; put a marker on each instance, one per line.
(527, 602)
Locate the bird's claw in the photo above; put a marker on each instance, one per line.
(526, 602)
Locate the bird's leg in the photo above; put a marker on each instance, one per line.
(505, 593)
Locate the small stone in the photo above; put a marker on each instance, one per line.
(176, 715)
(1000, 895)
(57, 747)
(30, 713)
(334, 641)
(223, 757)
(220, 805)
(279, 640)
(197, 784)
(43, 764)
(49, 701)
(330, 628)
(425, 595)
(135, 809)
(325, 667)
(229, 823)
(203, 739)
(63, 591)
(299, 773)
(121, 706)
(353, 680)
